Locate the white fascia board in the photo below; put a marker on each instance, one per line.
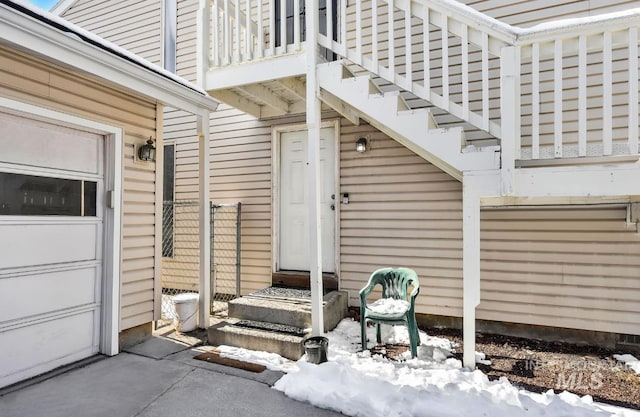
(34, 36)
(578, 181)
(257, 71)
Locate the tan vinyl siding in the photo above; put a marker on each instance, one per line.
(403, 211)
(31, 80)
(132, 24)
(569, 267)
(565, 267)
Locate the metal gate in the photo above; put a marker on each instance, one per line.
(181, 253)
(225, 252)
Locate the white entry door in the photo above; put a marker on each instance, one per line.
(294, 195)
(51, 229)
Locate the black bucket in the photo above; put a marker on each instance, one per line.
(316, 349)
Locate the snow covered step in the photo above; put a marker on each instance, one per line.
(286, 341)
(290, 307)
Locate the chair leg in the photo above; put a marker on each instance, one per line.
(414, 336)
(363, 332)
(378, 333)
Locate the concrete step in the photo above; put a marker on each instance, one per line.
(289, 307)
(283, 340)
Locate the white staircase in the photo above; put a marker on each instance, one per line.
(414, 128)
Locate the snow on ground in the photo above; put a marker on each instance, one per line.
(433, 384)
(630, 361)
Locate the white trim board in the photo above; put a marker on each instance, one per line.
(110, 312)
(275, 188)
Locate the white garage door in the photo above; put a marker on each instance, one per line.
(51, 227)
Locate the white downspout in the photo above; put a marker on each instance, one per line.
(313, 127)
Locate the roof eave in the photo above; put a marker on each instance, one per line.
(35, 36)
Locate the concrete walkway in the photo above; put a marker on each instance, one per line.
(155, 379)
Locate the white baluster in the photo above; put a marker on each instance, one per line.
(633, 90)
(296, 24)
(374, 35)
(283, 26)
(582, 95)
(227, 33)
(485, 81)
(215, 33)
(272, 27)
(247, 32)
(391, 41)
(607, 96)
(535, 101)
(329, 25)
(407, 47)
(557, 98)
(465, 72)
(260, 47)
(343, 26)
(426, 41)
(445, 60)
(237, 45)
(358, 57)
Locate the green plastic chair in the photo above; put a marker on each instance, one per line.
(395, 284)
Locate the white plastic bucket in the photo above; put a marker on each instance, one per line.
(186, 307)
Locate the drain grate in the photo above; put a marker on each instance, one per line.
(271, 327)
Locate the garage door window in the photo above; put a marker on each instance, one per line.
(30, 195)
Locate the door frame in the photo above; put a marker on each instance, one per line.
(112, 225)
(276, 131)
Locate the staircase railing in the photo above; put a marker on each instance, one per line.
(559, 90)
(443, 52)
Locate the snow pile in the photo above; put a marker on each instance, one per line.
(389, 306)
(433, 384)
(630, 361)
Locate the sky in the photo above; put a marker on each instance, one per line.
(44, 4)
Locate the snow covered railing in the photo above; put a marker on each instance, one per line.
(244, 30)
(578, 84)
(565, 89)
(558, 90)
(441, 51)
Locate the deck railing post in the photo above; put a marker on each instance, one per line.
(203, 57)
(510, 114)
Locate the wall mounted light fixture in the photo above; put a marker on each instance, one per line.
(147, 152)
(361, 145)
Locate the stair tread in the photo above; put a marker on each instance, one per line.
(235, 326)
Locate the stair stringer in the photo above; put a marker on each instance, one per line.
(414, 129)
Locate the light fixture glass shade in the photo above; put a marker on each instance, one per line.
(361, 145)
(147, 152)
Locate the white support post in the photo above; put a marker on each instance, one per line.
(313, 126)
(202, 129)
(470, 269)
(510, 113)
